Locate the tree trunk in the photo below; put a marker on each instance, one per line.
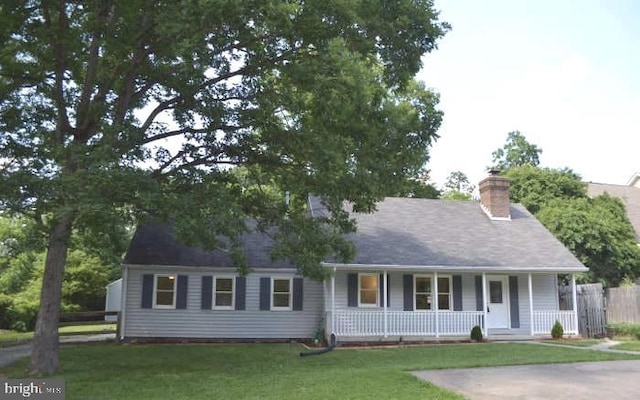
(44, 357)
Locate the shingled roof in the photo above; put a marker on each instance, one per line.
(403, 232)
(456, 234)
(155, 244)
(630, 195)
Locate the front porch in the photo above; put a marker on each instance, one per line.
(403, 305)
(437, 324)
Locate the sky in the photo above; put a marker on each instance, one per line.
(565, 73)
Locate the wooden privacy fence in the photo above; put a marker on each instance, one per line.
(592, 312)
(623, 305)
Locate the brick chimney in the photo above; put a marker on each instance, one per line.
(494, 195)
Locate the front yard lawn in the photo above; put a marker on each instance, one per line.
(275, 371)
(575, 342)
(632, 345)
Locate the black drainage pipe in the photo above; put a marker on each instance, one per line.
(332, 345)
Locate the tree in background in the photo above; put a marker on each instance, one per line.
(516, 152)
(418, 186)
(597, 231)
(115, 111)
(535, 187)
(457, 187)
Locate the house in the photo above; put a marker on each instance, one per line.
(629, 194)
(424, 269)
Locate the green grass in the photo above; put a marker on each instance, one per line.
(575, 342)
(271, 371)
(632, 345)
(10, 338)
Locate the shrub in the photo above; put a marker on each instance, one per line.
(557, 331)
(476, 334)
(623, 329)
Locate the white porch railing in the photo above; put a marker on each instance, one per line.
(543, 321)
(407, 323)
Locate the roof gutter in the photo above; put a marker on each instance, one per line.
(458, 268)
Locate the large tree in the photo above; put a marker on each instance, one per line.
(598, 232)
(457, 187)
(534, 187)
(516, 152)
(111, 111)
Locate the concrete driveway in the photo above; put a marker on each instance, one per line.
(591, 380)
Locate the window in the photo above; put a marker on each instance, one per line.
(423, 287)
(164, 291)
(223, 292)
(281, 294)
(444, 293)
(422, 292)
(368, 290)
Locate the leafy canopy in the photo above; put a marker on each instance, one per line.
(516, 152)
(116, 110)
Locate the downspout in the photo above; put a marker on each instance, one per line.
(123, 301)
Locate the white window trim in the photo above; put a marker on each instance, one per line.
(233, 293)
(290, 306)
(155, 291)
(368, 305)
(415, 292)
(450, 277)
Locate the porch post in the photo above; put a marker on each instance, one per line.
(434, 296)
(575, 303)
(484, 303)
(384, 302)
(333, 301)
(530, 304)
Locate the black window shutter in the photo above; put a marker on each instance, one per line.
(352, 290)
(479, 293)
(407, 283)
(265, 293)
(147, 291)
(241, 292)
(457, 293)
(181, 296)
(381, 291)
(297, 294)
(514, 302)
(206, 300)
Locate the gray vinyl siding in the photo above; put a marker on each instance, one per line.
(193, 322)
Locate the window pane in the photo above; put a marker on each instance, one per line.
(224, 285)
(495, 292)
(165, 282)
(368, 282)
(280, 300)
(423, 302)
(443, 285)
(423, 284)
(164, 298)
(443, 302)
(281, 285)
(223, 299)
(368, 297)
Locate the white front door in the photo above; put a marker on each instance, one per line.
(497, 302)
